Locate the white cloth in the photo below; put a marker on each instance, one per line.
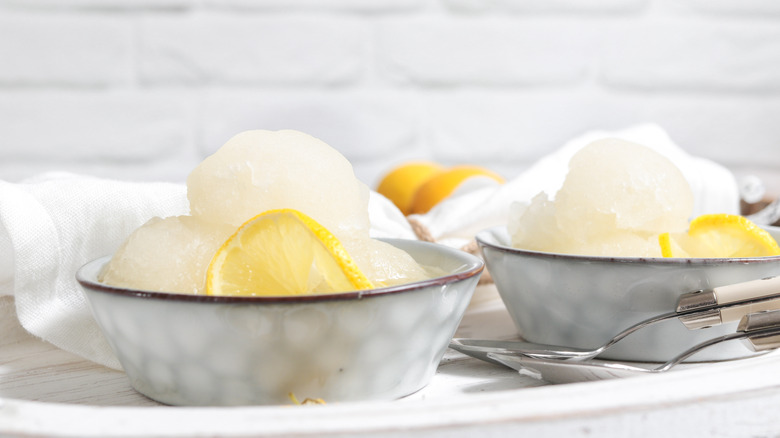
(53, 224)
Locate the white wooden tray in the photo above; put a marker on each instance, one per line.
(45, 391)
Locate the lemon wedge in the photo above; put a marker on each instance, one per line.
(282, 252)
(719, 235)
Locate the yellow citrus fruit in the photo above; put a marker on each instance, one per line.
(282, 252)
(442, 184)
(400, 183)
(719, 235)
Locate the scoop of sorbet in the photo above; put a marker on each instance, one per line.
(617, 197)
(254, 172)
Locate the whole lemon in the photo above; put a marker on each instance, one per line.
(400, 184)
(442, 184)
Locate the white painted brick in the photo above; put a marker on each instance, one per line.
(367, 128)
(50, 5)
(730, 8)
(143, 89)
(513, 130)
(62, 126)
(469, 6)
(547, 6)
(373, 6)
(170, 170)
(734, 130)
(71, 50)
(499, 126)
(241, 49)
(693, 55)
(486, 51)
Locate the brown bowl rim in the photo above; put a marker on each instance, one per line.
(482, 242)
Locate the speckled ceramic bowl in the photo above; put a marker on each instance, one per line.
(199, 350)
(582, 301)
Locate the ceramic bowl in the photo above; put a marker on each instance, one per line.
(376, 344)
(583, 301)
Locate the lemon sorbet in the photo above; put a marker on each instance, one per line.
(622, 199)
(271, 213)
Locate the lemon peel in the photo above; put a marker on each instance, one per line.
(306, 401)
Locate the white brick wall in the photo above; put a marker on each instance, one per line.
(239, 49)
(143, 89)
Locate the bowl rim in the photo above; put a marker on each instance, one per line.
(483, 242)
(472, 266)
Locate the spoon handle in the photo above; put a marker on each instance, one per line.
(706, 308)
(749, 290)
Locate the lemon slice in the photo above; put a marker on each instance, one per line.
(719, 235)
(282, 252)
(670, 247)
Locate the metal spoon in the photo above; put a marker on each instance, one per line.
(761, 332)
(696, 310)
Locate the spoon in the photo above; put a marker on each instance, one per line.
(760, 330)
(696, 310)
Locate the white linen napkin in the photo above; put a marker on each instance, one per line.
(53, 224)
